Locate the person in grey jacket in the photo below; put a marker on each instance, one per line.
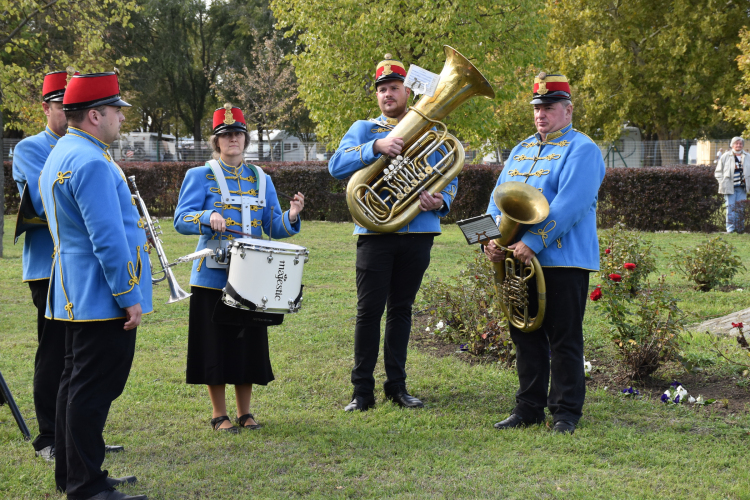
(733, 184)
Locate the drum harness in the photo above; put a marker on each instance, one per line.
(245, 203)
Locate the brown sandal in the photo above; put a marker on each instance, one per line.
(216, 422)
(244, 418)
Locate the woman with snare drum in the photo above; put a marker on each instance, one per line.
(220, 354)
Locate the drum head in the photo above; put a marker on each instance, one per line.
(266, 245)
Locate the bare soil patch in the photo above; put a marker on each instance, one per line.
(732, 393)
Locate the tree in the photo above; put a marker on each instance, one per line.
(658, 64)
(37, 36)
(741, 114)
(342, 41)
(268, 93)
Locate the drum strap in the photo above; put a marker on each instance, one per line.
(243, 201)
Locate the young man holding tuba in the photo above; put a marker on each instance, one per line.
(389, 266)
(567, 167)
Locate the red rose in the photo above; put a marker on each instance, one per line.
(607, 251)
(596, 294)
(629, 266)
(737, 325)
(615, 277)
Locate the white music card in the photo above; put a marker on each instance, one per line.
(480, 229)
(421, 81)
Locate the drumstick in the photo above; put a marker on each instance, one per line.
(234, 231)
(284, 195)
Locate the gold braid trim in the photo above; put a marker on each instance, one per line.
(538, 173)
(195, 219)
(232, 222)
(551, 156)
(544, 232)
(357, 148)
(224, 206)
(200, 263)
(215, 190)
(255, 223)
(251, 192)
(211, 177)
(134, 272)
(451, 191)
(61, 177)
(249, 178)
(559, 242)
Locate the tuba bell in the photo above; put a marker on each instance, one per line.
(384, 195)
(520, 204)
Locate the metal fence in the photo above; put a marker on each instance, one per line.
(616, 154)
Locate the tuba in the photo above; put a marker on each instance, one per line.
(384, 195)
(520, 204)
(152, 226)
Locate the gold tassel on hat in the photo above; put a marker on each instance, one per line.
(70, 71)
(228, 117)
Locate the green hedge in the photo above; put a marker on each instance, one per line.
(325, 197)
(649, 199)
(672, 197)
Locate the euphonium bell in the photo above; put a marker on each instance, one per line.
(520, 204)
(384, 195)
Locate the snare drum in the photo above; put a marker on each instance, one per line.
(265, 276)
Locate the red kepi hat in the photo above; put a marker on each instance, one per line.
(389, 69)
(54, 84)
(550, 88)
(92, 90)
(228, 119)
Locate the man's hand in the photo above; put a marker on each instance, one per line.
(493, 252)
(429, 201)
(522, 252)
(390, 146)
(132, 317)
(218, 224)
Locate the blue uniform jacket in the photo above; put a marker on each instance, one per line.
(568, 169)
(28, 160)
(101, 265)
(199, 198)
(355, 152)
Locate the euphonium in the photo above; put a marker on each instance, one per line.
(519, 204)
(384, 195)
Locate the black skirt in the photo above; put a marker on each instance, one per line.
(224, 354)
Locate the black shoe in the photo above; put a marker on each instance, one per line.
(244, 418)
(513, 422)
(404, 399)
(114, 482)
(47, 453)
(360, 403)
(216, 422)
(112, 494)
(113, 448)
(564, 427)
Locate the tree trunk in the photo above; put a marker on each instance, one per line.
(260, 142)
(2, 176)
(670, 155)
(196, 131)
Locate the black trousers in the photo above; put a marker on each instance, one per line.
(556, 348)
(98, 356)
(389, 273)
(48, 365)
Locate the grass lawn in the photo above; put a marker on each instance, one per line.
(310, 448)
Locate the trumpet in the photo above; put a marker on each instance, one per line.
(153, 230)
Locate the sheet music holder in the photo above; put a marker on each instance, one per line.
(480, 229)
